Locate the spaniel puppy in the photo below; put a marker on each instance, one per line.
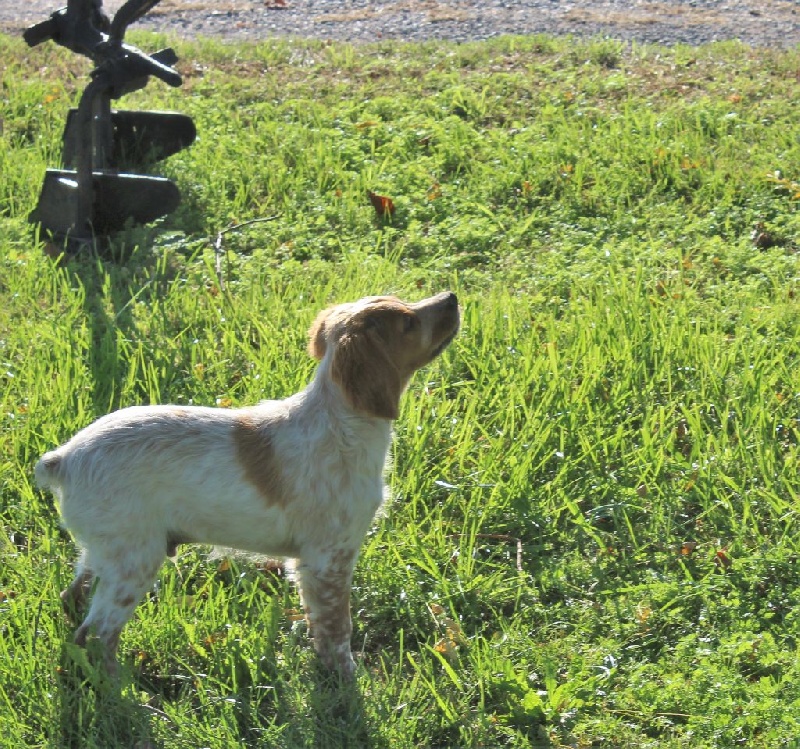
(299, 478)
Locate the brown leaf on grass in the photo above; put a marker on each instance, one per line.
(272, 572)
(294, 615)
(722, 559)
(447, 648)
(271, 567)
(453, 636)
(383, 206)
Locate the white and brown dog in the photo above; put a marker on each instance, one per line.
(300, 478)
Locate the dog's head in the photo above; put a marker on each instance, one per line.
(377, 343)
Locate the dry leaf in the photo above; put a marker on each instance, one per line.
(293, 615)
(447, 648)
(722, 559)
(383, 206)
(453, 630)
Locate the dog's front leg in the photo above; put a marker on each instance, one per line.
(325, 585)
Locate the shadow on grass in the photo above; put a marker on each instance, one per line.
(337, 710)
(113, 282)
(92, 710)
(95, 710)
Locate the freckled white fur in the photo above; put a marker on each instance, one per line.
(305, 483)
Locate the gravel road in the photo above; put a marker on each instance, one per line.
(761, 23)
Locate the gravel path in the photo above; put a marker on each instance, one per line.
(761, 23)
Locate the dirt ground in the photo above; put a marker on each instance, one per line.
(761, 23)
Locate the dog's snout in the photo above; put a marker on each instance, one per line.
(447, 300)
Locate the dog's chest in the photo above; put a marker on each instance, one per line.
(341, 466)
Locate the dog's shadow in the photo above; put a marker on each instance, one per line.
(92, 709)
(96, 710)
(339, 718)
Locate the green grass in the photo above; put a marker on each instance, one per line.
(593, 538)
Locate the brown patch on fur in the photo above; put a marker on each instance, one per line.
(362, 367)
(125, 601)
(256, 454)
(316, 335)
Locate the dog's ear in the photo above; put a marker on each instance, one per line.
(363, 369)
(317, 335)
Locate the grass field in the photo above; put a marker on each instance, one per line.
(593, 537)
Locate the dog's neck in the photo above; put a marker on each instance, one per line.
(324, 396)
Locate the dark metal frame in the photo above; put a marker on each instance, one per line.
(95, 198)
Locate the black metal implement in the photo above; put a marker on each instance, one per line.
(94, 195)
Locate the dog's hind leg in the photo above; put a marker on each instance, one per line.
(73, 598)
(123, 578)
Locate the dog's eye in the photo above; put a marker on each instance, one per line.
(409, 323)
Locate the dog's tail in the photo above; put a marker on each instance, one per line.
(47, 470)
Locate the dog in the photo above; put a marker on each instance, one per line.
(300, 478)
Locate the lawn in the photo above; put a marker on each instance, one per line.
(593, 533)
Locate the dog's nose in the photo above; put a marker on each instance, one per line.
(450, 300)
